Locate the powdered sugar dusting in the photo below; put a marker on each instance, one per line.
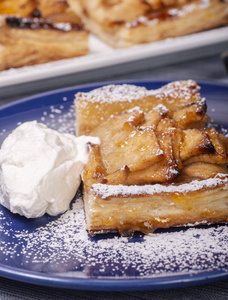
(176, 90)
(60, 117)
(62, 246)
(134, 109)
(105, 191)
(162, 108)
(172, 13)
(175, 12)
(114, 93)
(127, 92)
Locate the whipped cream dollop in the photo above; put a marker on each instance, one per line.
(41, 169)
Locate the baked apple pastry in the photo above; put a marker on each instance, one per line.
(34, 32)
(158, 165)
(123, 23)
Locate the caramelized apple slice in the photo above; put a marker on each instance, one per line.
(136, 117)
(195, 142)
(220, 144)
(166, 124)
(176, 134)
(224, 141)
(220, 154)
(125, 144)
(166, 140)
(203, 170)
(154, 116)
(162, 171)
(189, 115)
(118, 177)
(112, 10)
(158, 172)
(53, 7)
(159, 4)
(94, 167)
(138, 151)
(22, 8)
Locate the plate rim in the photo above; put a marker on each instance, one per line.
(215, 38)
(121, 284)
(100, 83)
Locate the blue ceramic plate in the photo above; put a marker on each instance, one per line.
(58, 252)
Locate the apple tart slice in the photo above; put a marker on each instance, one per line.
(39, 31)
(124, 23)
(156, 167)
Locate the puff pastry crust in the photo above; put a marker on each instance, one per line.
(158, 165)
(34, 32)
(129, 22)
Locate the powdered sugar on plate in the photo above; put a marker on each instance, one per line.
(59, 117)
(61, 245)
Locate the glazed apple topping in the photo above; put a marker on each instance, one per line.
(160, 146)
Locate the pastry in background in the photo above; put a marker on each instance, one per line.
(123, 23)
(34, 32)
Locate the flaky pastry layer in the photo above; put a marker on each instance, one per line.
(146, 208)
(23, 47)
